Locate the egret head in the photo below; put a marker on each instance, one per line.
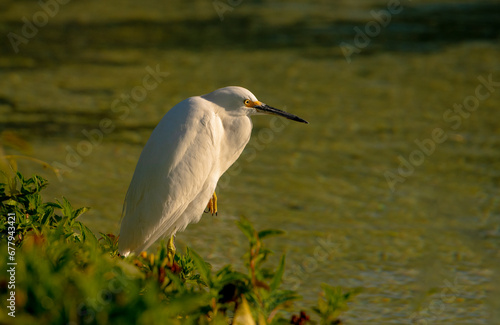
(240, 101)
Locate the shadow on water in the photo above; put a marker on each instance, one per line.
(419, 28)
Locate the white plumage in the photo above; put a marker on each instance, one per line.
(177, 172)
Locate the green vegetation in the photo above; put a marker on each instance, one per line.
(64, 274)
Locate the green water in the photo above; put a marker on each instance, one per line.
(427, 243)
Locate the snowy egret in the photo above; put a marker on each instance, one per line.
(177, 172)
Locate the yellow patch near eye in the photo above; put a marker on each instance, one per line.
(251, 103)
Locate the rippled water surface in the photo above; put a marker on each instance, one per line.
(392, 187)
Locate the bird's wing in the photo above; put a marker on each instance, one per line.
(177, 163)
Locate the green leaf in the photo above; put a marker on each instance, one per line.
(78, 212)
(66, 208)
(270, 232)
(54, 205)
(278, 298)
(179, 285)
(88, 235)
(276, 281)
(9, 202)
(247, 228)
(227, 275)
(202, 267)
(186, 303)
(333, 303)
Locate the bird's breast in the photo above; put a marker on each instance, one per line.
(236, 134)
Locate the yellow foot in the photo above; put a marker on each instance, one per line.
(212, 205)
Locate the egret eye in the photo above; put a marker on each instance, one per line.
(248, 102)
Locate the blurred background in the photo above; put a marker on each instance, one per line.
(392, 187)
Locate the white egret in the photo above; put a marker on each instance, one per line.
(188, 151)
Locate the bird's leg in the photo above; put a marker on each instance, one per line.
(212, 205)
(174, 267)
(171, 250)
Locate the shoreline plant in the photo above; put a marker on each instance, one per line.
(66, 275)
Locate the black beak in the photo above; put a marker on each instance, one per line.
(274, 111)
